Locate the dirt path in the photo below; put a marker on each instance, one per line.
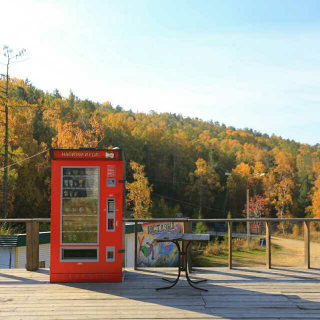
(292, 253)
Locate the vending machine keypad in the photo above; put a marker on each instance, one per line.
(111, 214)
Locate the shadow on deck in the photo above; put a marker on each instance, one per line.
(241, 293)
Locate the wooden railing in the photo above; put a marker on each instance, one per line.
(32, 240)
(268, 221)
(32, 235)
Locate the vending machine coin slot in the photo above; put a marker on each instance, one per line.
(110, 254)
(111, 182)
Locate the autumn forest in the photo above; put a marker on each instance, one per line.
(193, 167)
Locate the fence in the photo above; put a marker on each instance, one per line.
(32, 240)
(268, 221)
(32, 231)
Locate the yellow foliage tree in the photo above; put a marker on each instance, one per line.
(139, 192)
(71, 135)
(242, 171)
(279, 185)
(205, 183)
(25, 194)
(315, 206)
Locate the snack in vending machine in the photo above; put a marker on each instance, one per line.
(80, 183)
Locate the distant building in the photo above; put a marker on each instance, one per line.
(13, 250)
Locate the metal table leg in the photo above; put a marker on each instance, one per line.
(174, 282)
(191, 282)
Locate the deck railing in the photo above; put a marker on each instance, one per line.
(32, 235)
(32, 240)
(268, 221)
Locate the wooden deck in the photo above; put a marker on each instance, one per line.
(242, 293)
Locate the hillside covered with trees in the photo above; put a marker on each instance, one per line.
(185, 159)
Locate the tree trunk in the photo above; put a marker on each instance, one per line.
(281, 216)
(200, 202)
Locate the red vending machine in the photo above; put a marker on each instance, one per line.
(87, 203)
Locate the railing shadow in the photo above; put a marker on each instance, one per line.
(240, 293)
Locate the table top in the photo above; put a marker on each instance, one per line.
(182, 237)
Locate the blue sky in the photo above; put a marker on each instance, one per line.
(252, 64)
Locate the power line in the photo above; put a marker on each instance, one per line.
(24, 159)
(192, 204)
(177, 182)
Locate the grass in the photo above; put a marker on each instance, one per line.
(216, 254)
(6, 230)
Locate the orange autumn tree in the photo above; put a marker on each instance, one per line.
(26, 194)
(31, 191)
(205, 184)
(279, 185)
(236, 187)
(139, 192)
(72, 134)
(314, 208)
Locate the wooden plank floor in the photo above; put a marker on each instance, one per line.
(242, 293)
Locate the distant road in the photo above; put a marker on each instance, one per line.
(297, 245)
(234, 234)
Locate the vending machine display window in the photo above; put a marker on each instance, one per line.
(80, 205)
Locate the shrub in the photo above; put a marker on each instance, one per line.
(214, 248)
(5, 229)
(296, 231)
(238, 244)
(200, 228)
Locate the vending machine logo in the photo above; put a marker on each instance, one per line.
(85, 154)
(110, 155)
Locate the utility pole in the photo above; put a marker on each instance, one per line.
(248, 205)
(6, 147)
(248, 215)
(9, 56)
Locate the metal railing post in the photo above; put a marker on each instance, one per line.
(306, 225)
(230, 244)
(268, 244)
(135, 244)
